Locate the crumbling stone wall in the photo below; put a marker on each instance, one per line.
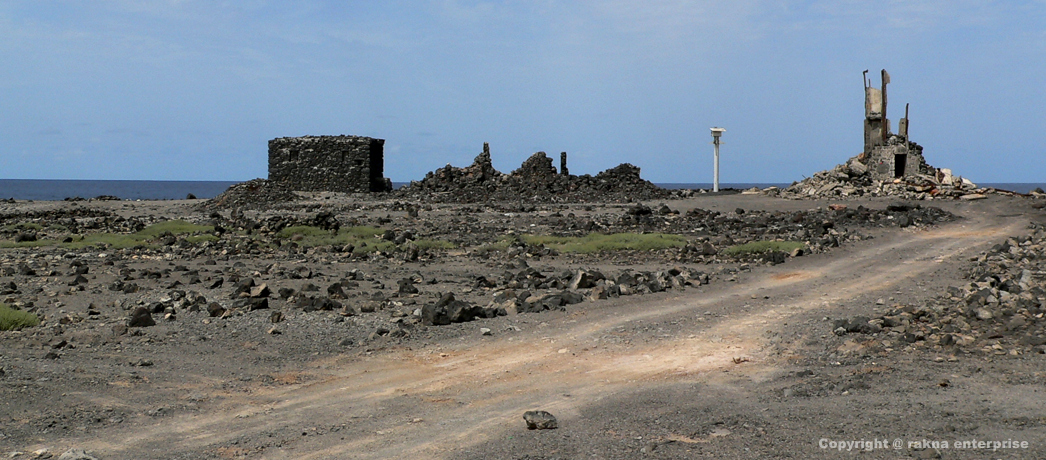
(898, 158)
(888, 155)
(329, 163)
(536, 180)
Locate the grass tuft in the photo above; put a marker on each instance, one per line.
(23, 226)
(758, 247)
(145, 235)
(13, 320)
(27, 244)
(175, 227)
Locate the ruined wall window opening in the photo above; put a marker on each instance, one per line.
(900, 160)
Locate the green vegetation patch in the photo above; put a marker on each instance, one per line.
(145, 236)
(13, 320)
(175, 227)
(598, 242)
(27, 244)
(758, 247)
(307, 236)
(24, 226)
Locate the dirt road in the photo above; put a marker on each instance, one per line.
(702, 372)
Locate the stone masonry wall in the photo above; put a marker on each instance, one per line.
(888, 156)
(328, 163)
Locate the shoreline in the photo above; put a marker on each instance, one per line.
(138, 190)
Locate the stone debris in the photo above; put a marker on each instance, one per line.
(66, 221)
(536, 180)
(76, 454)
(1000, 312)
(253, 194)
(853, 179)
(540, 420)
(450, 310)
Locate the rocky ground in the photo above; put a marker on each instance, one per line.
(900, 319)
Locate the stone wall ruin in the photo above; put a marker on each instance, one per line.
(888, 155)
(329, 163)
(890, 165)
(536, 180)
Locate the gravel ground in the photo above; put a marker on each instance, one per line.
(693, 354)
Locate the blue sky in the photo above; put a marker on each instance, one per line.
(193, 90)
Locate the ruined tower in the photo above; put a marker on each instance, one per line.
(888, 155)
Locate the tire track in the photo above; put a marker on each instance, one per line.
(425, 403)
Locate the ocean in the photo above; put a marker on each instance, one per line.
(53, 190)
(41, 189)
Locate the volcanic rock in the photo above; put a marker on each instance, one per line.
(536, 180)
(540, 420)
(141, 317)
(253, 194)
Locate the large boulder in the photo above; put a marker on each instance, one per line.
(141, 317)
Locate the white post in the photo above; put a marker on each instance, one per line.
(715, 184)
(716, 132)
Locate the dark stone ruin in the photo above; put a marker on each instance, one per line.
(536, 180)
(354, 164)
(329, 164)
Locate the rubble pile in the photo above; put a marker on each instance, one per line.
(53, 215)
(253, 194)
(854, 179)
(1002, 311)
(475, 183)
(66, 223)
(516, 290)
(536, 180)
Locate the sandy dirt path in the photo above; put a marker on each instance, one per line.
(442, 398)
